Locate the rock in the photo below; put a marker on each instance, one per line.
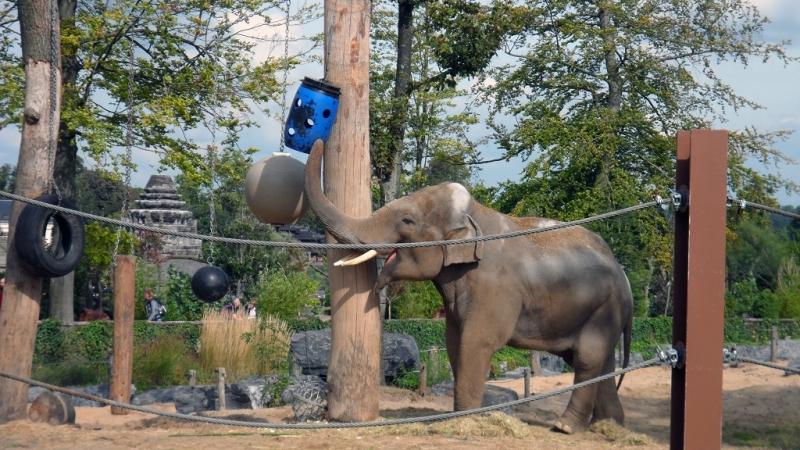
(492, 395)
(311, 353)
(194, 399)
(787, 349)
(156, 396)
(793, 365)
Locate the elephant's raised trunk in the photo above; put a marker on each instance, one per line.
(346, 229)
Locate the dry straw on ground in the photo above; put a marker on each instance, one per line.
(244, 347)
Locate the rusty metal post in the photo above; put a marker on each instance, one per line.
(697, 330)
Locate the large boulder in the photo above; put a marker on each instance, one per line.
(311, 353)
(492, 395)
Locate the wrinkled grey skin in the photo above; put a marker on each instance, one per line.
(559, 291)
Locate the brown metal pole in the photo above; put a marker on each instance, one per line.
(354, 371)
(122, 368)
(696, 412)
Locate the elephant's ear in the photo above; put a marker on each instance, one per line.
(464, 253)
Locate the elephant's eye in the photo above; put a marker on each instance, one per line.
(408, 221)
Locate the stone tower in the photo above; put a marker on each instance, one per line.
(160, 206)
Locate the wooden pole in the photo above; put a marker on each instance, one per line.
(354, 371)
(697, 327)
(124, 301)
(774, 344)
(192, 376)
(221, 388)
(423, 379)
(23, 292)
(527, 388)
(536, 364)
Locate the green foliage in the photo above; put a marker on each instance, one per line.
(513, 357)
(92, 342)
(283, 294)
(275, 390)
(179, 299)
(745, 297)
(161, 363)
(298, 325)
(76, 372)
(427, 333)
(414, 300)
(49, 342)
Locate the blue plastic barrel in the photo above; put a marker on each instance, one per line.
(311, 114)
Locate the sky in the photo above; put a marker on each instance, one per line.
(770, 84)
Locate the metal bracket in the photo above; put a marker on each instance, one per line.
(673, 356)
(729, 356)
(680, 198)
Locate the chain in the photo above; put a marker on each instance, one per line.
(285, 73)
(213, 215)
(54, 63)
(126, 200)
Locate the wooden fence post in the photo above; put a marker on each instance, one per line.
(122, 360)
(536, 364)
(423, 379)
(774, 344)
(192, 375)
(221, 388)
(527, 373)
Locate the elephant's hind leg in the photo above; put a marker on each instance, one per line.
(607, 404)
(588, 360)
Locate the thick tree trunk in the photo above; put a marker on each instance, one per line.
(614, 81)
(62, 289)
(390, 185)
(23, 292)
(353, 375)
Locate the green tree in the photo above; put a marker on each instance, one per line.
(598, 90)
(283, 293)
(420, 50)
(8, 175)
(95, 271)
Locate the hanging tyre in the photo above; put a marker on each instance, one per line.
(62, 254)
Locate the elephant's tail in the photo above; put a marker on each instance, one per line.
(626, 342)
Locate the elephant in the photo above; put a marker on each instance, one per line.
(560, 291)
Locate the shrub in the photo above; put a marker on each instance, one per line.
(284, 294)
(73, 373)
(162, 362)
(415, 300)
(243, 347)
(179, 299)
(49, 341)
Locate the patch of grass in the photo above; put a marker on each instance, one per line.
(71, 373)
(244, 347)
(492, 425)
(162, 362)
(614, 432)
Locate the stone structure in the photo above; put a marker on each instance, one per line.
(160, 206)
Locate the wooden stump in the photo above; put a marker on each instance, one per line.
(51, 408)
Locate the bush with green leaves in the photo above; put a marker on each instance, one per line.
(746, 297)
(180, 301)
(283, 294)
(414, 300)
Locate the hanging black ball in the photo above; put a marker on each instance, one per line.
(209, 283)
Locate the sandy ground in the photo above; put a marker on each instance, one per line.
(761, 409)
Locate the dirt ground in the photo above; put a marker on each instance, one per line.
(761, 409)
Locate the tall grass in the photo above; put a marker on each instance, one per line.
(244, 347)
(160, 363)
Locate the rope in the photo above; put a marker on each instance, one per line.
(766, 364)
(313, 426)
(310, 245)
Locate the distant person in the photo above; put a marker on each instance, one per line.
(251, 309)
(153, 307)
(233, 309)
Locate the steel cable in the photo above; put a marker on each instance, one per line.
(766, 364)
(311, 245)
(313, 426)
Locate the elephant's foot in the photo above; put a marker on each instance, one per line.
(567, 425)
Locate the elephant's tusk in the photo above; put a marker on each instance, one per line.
(352, 260)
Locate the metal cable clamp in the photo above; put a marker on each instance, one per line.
(729, 356)
(671, 356)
